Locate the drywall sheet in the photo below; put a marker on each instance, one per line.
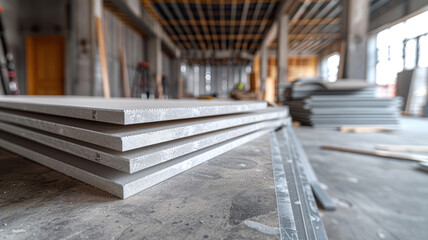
(108, 179)
(124, 138)
(141, 158)
(124, 110)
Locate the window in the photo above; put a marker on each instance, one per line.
(330, 67)
(403, 46)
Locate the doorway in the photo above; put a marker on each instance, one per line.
(45, 65)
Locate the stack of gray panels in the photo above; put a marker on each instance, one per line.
(349, 104)
(412, 86)
(124, 146)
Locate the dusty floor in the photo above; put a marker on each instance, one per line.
(378, 198)
(216, 200)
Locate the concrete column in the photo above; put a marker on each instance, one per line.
(357, 21)
(282, 54)
(177, 85)
(155, 64)
(263, 66)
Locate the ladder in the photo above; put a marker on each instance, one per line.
(141, 83)
(10, 85)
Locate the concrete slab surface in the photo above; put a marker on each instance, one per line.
(376, 197)
(126, 111)
(124, 138)
(120, 184)
(137, 159)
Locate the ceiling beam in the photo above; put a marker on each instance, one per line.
(233, 18)
(213, 22)
(213, 1)
(259, 36)
(314, 36)
(195, 28)
(222, 27)
(205, 29)
(183, 31)
(244, 15)
(216, 54)
(212, 28)
(252, 26)
(273, 30)
(315, 21)
(147, 24)
(220, 37)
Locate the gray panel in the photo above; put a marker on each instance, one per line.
(126, 111)
(124, 138)
(138, 159)
(110, 180)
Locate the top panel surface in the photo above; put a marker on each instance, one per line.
(126, 111)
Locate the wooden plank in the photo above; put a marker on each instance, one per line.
(379, 153)
(214, 22)
(315, 21)
(103, 58)
(125, 79)
(211, 1)
(403, 148)
(363, 129)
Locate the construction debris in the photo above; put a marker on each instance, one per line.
(403, 148)
(365, 129)
(410, 157)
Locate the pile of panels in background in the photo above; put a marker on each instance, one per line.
(342, 103)
(124, 146)
(412, 86)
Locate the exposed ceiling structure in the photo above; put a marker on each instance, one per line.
(313, 25)
(217, 25)
(235, 29)
(223, 30)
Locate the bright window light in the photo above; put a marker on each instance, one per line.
(330, 67)
(397, 48)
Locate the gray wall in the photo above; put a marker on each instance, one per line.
(75, 21)
(28, 17)
(118, 34)
(224, 78)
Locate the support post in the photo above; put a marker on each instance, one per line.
(282, 54)
(357, 21)
(155, 64)
(263, 66)
(101, 48)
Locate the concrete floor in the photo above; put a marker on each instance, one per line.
(218, 199)
(378, 198)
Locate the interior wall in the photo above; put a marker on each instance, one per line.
(224, 79)
(23, 18)
(117, 35)
(301, 67)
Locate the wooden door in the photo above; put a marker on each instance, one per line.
(45, 65)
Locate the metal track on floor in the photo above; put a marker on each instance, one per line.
(299, 217)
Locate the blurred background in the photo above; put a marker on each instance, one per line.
(210, 48)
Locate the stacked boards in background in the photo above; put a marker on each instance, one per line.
(124, 146)
(342, 103)
(412, 86)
